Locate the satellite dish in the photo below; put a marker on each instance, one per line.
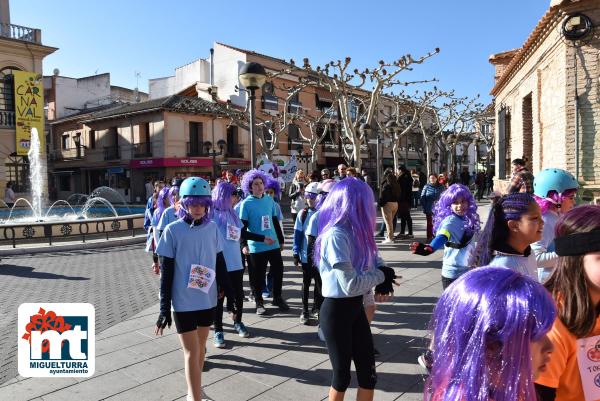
(56, 71)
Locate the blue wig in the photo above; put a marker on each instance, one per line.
(251, 176)
(188, 201)
(350, 205)
(273, 184)
(482, 327)
(161, 199)
(442, 208)
(496, 231)
(223, 213)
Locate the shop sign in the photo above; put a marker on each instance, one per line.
(171, 162)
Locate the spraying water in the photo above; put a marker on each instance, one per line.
(35, 174)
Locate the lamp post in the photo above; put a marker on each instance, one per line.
(252, 75)
(207, 151)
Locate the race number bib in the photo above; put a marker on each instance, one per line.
(588, 359)
(233, 233)
(201, 278)
(266, 223)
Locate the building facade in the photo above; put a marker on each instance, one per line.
(547, 97)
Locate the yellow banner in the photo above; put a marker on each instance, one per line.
(29, 109)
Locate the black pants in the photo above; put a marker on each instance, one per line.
(257, 269)
(405, 217)
(447, 281)
(237, 282)
(348, 338)
(309, 272)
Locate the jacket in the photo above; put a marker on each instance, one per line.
(429, 196)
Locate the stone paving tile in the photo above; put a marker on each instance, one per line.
(168, 387)
(96, 388)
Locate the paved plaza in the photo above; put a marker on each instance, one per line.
(283, 360)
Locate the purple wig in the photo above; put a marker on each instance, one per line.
(496, 231)
(273, 184)
(251, 176)
(163, 196)
(188, 201)
(553, 199)
(221, 201)
(442, 209)
(173, 194)
(350, 205)
(482, 327)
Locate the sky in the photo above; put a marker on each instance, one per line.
(154, 37)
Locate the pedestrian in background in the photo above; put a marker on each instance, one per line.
(430, 194)
(296, 193)
(404, 203)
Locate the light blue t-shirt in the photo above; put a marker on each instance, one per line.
(195, 245)
(340, 279)
(543, 249)
(230, 232)
(301, 226)
(525, 265)
(259, 213)
(312, 228)
(167, 218)
(455, 260)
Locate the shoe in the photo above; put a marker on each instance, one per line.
(315, 314)
(219, 340)
(426, 361)
(304, 318)
(375, 352)
(260, 309)
(266, 294)
(387, 241)
(409, 236)
(241, 330)
(281, 304)
(320, 334)
(250, 298)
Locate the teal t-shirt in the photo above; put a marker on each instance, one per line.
(230, 234)
(259, 213)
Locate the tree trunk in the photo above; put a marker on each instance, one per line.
(428, 161)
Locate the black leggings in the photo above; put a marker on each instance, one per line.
(348, 337)
(309, 272)
(257, 269)
(237, 282)
(447, 281)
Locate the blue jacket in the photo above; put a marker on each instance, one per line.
(430, 195)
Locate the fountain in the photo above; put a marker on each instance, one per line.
(35, 173)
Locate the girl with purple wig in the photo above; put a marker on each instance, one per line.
(554, 190)
(230, 227)
(170, 213)
(514, 223)
(162, 203)
(193, 273)
(264, 238)
(489, 337)
(455, 222)
(575, 286)
(348, 271)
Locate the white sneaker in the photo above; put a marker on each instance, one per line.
(387, 241)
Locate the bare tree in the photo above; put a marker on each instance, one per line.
(354, 102)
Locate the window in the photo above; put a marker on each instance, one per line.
(65, 142)
(92, 139)
(269, 100)
(195, 139)
(233, 149)
(294, 105)
(293, 136)
(7, 93)
(353, 110)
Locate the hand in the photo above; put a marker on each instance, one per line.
(413, 246)
(296, 260)
(422, 249)
(164, 320)
(156, 268)
(245, 250)
(221, 293)
(281, 247)
(269, 240)
(389, 273)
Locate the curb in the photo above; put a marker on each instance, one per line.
(72, 247)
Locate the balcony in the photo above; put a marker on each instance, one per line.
(195, 149)
(142, 149)
(19, 32)
(7, 119)
(235, 151)
(67, 154)
(112, 153)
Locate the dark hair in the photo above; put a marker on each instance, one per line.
(519, 162)
(568, 283)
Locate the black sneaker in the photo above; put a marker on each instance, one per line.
(281, 304)
(304, 318)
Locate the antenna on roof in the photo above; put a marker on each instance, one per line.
(136, 92)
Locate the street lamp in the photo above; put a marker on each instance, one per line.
(253, 76)
(207, 146)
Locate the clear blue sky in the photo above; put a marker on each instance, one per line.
(153, 37)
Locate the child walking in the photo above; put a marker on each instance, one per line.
(514, 223)
(300, 253)
(554, 190)
(348, 271)
(230, 228)
(575, 286)
(455, 223)
(489, 337)
(193, 265)
(162, 203)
